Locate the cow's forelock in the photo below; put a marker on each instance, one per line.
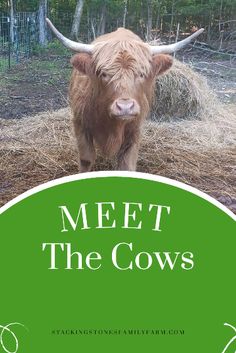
(122, 59)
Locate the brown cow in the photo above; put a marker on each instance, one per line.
(111, 91)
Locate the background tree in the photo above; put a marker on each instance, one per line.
(87, 19)
(102, 22)
(42, 22)
(125, 12)
(77, 19)
(11, 5)
(149, 20)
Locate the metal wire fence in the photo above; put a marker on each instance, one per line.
(5, 43)
(16, 42)
(18, 37)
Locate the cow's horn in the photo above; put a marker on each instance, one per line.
(172, 48)
(70, 44)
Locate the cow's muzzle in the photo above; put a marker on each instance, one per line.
(125, 108)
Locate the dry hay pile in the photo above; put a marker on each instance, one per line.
(183, 94)
(201, 153)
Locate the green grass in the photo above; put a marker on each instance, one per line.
(53, 48)
(48, 69)
(3, 64)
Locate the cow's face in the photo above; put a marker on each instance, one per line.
(123, 77)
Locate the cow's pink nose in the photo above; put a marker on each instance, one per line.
(125, 108)
(125, 105)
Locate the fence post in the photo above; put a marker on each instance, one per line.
(16, 40)
(28, 37)
(9, 41)
(177, 36)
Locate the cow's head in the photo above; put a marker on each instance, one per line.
(123, 69)
(123, 74)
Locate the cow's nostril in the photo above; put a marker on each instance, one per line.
(125, 105)
(118, 106)
(131, 104)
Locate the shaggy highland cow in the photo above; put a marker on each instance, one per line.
(111, 92)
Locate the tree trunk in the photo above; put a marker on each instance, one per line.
(77, 19)
(177, 36)
(209, 29)
(220, 15)
(88, 25)
(125, 12)
(42, 23)
(158, 15)
(11, 7)
(93, 29)
(149, 20)
(102, 23)
(221, 31)
(172, 19)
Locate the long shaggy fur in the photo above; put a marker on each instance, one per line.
(120, 68)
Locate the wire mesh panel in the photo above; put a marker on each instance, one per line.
(17, 45)
(24, 35)
(62, 20)
(5, 42)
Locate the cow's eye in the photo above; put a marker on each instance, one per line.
(103, 75)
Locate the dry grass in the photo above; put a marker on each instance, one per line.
(183, 94)
(201, 153)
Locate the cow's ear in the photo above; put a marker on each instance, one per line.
(83, 63)
(161, 63)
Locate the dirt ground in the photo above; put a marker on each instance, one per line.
(35, 86)
(41, 84)
(219, 70)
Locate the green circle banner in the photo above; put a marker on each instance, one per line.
(110, 262)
